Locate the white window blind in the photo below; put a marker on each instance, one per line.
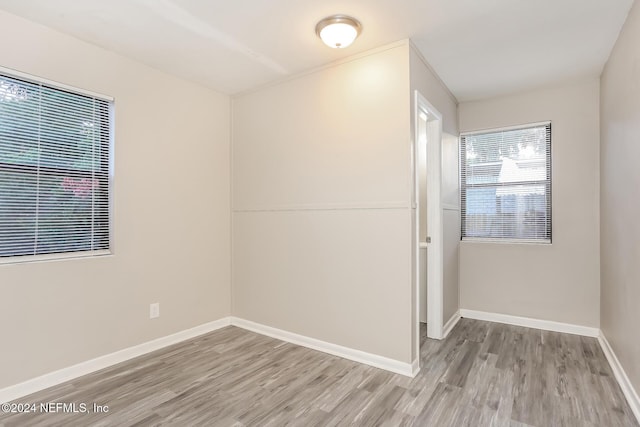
(506, 184)
(54, 169)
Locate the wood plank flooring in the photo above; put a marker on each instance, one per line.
(483, 374)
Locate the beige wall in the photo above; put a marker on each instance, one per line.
(620, 197)
(321, 198)
(171, 216)
(558, 282)
(425, 81)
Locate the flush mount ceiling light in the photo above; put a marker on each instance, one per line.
(338, 31)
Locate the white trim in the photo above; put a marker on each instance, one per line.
(359, 356)
(112, 175)
(326, 207)
(51, 379)
(435, 281)
(507, 241)
(451, 323)
(527, 322)
(621, 376)
(449, 207)
(51, 83)
(505, 128)
(20, 259)
(60, 376)
(415, 367)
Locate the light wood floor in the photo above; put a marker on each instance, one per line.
(484, 374)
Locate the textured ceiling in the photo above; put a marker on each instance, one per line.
(479, 49)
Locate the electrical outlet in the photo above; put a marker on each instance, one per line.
(154, 310)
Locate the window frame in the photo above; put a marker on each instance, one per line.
(548, 183)
(28, 78)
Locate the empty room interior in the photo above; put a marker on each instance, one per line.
(268, 213)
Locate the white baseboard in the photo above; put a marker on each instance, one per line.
(415, 367)
(57, 377)
(51, 379)
(621, 376)
(451, 323)
(359, 356)
(546, 325)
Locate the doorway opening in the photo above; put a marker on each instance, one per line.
(428, 229)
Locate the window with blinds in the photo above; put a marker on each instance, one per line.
(506, 184)
(54, 169)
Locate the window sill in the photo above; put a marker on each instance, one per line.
(54, 257)
(507, 241)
